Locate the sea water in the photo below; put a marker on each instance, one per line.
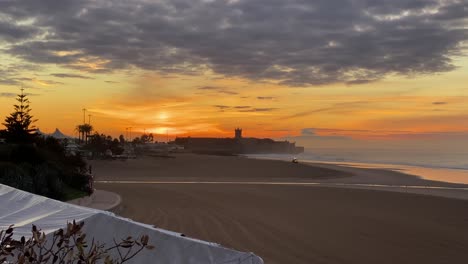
(431, 165)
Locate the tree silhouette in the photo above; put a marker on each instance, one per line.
(19, 124)
(84, 131)
(79, 129)
(147, 138)
(67, 245)
(87, 129)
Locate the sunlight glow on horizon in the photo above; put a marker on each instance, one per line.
(366, 77)
(262, 109)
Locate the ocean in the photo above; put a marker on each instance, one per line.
(432, 165)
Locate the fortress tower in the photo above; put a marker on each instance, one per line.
(238, 133)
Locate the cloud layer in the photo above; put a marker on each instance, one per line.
(293, 42)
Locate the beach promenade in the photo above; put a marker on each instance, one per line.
(100, 199)
(294, 213)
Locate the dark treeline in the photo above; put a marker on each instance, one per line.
(39, 164)
(101, 145)
(104, 146)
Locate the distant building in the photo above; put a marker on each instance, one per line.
(238, 133)
(238, 145)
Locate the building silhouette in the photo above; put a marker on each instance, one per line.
(238, 145)
(238, 133)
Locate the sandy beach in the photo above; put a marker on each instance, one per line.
(291, 223)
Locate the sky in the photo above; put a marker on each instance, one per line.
(316, 72)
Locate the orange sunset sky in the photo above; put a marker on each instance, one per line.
(361, 70)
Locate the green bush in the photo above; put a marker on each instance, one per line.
(43, 168)
(16, 176)
(34, 163)
(27, 153)
(48, 181)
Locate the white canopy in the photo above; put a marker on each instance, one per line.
(24, 209)
(39, 132)
(58, 134)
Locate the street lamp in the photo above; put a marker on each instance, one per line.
(84, 115)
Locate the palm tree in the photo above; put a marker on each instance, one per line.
(87, 129)
(84, 131)
(79, 129)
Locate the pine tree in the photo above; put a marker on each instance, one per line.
(19, 124)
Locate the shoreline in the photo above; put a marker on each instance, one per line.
(430, 173)
(347, 161)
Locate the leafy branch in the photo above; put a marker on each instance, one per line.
(67, 246)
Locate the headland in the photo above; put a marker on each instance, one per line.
(237, 145)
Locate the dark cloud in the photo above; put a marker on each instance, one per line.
(217, 89)
(242, 108)
(439, 103)
(265, 97)
(228, 92)
(258, 110)
(357, 82)
(7, 95)
(307, 113)
(295, 42)
(338, 107)
(222, 107)
(10, 73)
(11, 31)
(211, 88)
(7, 81)
(12, 95)
(308, 132)
(68, 75)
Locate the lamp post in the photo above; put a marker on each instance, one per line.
(128, 133)
(84, 115)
